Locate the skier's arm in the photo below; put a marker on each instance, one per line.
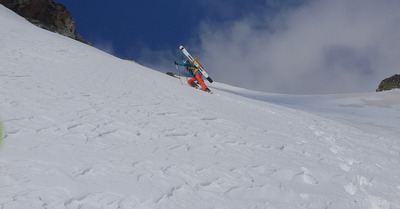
(182, 64)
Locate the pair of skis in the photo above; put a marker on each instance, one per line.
(196, 63)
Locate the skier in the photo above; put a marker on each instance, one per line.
(195, 72)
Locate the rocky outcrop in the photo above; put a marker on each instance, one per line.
(47, 15)
(389, 83)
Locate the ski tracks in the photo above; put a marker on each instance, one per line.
(361, 175)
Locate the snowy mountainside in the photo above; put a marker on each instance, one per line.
(85, 129)
(368, 111)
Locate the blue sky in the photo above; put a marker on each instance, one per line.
(282, 46)
(126, 26)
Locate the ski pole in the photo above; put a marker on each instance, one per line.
(179, 74)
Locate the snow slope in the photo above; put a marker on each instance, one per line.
(85, 129)
(368, 111)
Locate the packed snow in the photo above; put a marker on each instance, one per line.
(84, 129)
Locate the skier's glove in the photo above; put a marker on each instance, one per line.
(176, 63)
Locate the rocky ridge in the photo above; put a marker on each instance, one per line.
(46, 14)
(392, 82)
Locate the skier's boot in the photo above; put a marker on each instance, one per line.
(194, 84)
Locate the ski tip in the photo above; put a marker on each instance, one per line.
(181, 47)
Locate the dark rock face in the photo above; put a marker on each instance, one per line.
(45, 14)
(390, 83)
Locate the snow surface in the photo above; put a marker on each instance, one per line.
(85, 129)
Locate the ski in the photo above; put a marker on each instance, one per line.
(196, 63)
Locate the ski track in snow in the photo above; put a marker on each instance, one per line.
(88, 130)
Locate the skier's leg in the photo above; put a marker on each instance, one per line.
(191, 82)
(200, 80)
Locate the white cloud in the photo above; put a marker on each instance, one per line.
(106, 46)
(160, 60)
(321, 46)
